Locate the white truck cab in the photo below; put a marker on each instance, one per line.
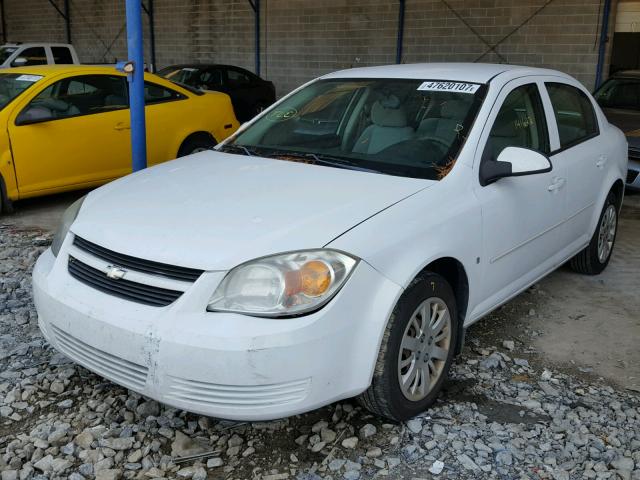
(25, 54)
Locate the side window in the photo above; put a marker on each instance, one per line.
(237, 79)
(61, 55)
(81, 95)
(214, 78)
(34, 56)
(574, 114)
(520, 123)
(154, 93)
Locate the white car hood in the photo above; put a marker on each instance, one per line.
(213, 210)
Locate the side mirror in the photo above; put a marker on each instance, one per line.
(34, 114)
(514, 162)
(19, 62)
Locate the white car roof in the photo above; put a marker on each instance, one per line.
(468, 72)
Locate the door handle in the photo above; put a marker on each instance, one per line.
(602, 160)
(558, 183)
(122, 126)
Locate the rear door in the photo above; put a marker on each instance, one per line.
(581, 151)
(522, 216)
(81, 136)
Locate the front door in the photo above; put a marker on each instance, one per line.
(523, 216)
(72, 133)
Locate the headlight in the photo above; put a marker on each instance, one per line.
(283, 285)
(68, 218)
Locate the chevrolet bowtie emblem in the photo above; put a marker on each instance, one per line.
(116, 273)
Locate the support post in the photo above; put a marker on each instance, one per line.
(602, 48)
(255, 5)
(400, 39)
(67, 19)
(4, 22)
(152, 33)
(136, 85)
(65, 14)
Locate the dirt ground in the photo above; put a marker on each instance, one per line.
(587, 325)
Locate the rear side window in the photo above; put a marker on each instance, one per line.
(574, 114)
(519, 123)
(156, 94)
(237, 78)
(62, 55)
(34, 56)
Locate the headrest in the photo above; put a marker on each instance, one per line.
(454, 110)
(506, 124)
(388, 113)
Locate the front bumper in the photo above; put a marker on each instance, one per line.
(633, 174)
(218, 364)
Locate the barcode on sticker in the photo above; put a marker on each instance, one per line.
(459, 87)
(29, 78)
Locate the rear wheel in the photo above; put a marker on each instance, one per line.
(595, 256)
(416, 352)
(6, 206)
(195, 144)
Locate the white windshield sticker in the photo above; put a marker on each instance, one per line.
(449, 87)
(29, 78)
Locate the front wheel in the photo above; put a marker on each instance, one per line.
(195, 144)
(416, 352)
(595, 256)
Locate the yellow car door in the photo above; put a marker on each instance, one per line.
(72, 133)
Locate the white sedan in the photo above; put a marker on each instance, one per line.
(339, 244)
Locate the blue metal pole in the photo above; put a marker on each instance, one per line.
(136, 85)
(257, 27)
(400, 39)
(604, 33)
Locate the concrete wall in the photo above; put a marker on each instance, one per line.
(302, 39)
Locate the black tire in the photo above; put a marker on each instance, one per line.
(588, 260)
(196, 143)
(6, 206)
(385, 397)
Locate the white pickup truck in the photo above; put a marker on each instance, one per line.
(24, 54)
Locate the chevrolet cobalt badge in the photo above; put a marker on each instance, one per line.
(116, 273)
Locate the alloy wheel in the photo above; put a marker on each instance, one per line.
(607, 233)
(424, 349)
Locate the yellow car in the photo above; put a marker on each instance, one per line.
(67, 127)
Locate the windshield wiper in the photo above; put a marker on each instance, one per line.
(322, 159)
(235, 148)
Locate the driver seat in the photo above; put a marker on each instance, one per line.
(445, 127)
(388, 127)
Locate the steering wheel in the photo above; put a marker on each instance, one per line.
(441, 142)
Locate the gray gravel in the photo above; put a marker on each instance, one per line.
(505, 414)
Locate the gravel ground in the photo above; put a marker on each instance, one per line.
(505, 414)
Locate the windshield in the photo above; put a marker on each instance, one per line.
(411, 128)
(6, 52)
(621, 93)
(13, 84)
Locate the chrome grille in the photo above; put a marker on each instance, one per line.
(121, 371)
(145, 266)
(136, 292)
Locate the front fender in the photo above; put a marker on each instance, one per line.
(402, 240)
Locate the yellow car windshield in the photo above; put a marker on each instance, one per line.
(13, 84)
